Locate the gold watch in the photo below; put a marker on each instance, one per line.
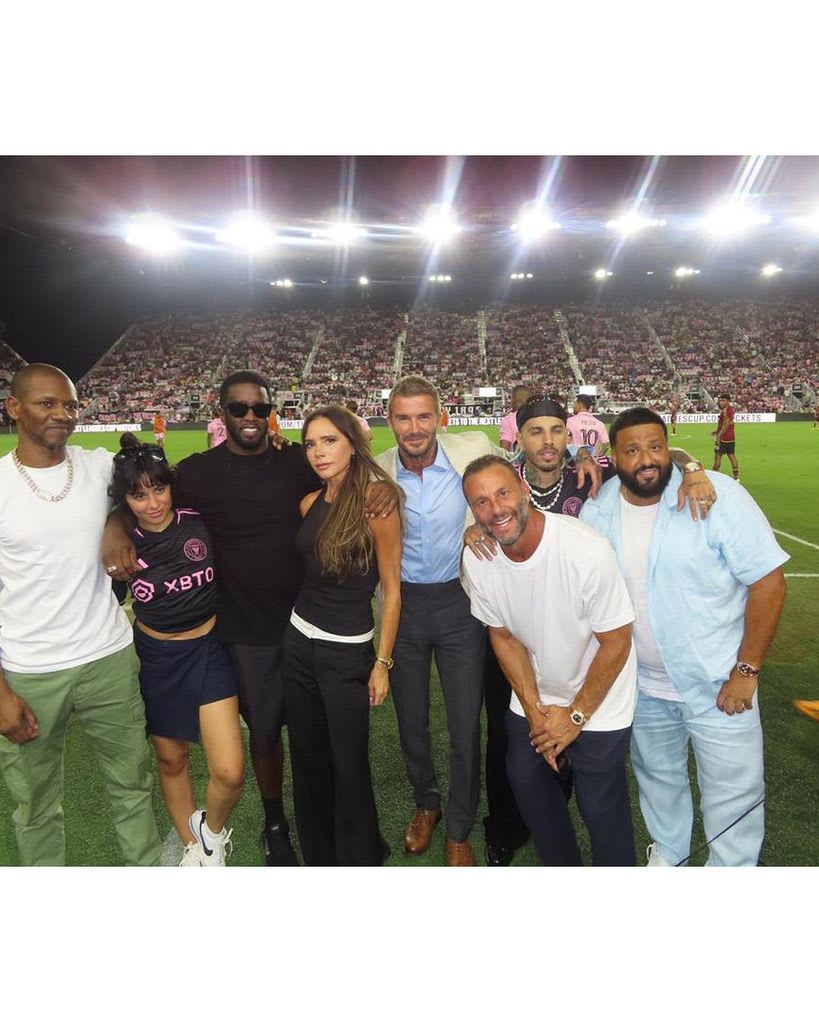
(388, 662)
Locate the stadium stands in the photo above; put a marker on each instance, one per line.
(523, 346)
(756, 352)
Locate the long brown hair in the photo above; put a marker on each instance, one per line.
(344, 545)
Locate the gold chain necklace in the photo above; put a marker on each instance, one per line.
(52, 498)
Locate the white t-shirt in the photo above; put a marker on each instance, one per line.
(553, 603)
(57, 608)
(637, 530)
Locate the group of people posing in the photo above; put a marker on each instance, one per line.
(593, 606)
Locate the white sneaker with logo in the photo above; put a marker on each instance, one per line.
(653, 857)
(213, 849)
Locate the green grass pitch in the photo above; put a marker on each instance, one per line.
(779, 467)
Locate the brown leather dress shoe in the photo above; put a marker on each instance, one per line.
(419, 830)
(459, 854)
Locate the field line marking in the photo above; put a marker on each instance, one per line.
(798, 539)
(802, 575)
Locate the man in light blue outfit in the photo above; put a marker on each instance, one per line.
(707, 597)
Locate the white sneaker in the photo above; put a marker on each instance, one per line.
(213, 849)
(192, 856)
(653, 857)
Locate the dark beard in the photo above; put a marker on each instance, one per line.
(629, 481)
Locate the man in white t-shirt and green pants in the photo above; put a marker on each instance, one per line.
(65, 643)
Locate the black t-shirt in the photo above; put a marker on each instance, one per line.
(175, 588)
(251, 506)
(571, 498)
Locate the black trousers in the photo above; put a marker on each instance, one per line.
(598, 762)
(261, 700)
(328, 719)
(503, 825)
(435, 618)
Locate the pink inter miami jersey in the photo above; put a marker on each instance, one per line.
(584, 428)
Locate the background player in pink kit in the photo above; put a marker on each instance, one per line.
(586, 430)
(509, 427)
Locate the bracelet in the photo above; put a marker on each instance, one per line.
(388, 662)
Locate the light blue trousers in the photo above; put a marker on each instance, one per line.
(728, 752)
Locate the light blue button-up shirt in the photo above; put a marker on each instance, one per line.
(434, 514)
(698, 579)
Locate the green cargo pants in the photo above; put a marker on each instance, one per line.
(104, 694)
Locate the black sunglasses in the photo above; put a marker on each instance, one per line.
(152, 451)
(238, 409)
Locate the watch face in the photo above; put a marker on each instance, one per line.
(576, 717)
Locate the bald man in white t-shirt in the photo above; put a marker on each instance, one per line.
(65, 643)
(559, 618)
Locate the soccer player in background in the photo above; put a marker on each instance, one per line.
(675, 408)
(585, 429)
(159, 427)
(724, 442)
(273, 427)
(509, 427)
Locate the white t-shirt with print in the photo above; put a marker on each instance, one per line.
(553, 603)
(57, 608)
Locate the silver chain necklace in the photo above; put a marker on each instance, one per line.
(52, 498)
(556, 489)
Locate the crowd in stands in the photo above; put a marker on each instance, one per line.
(277, 346)
(706, 346)
(10, 362)
(785, 335)
(356, 355)
(618, 355)
(523, 346)
(167, 365)
(444, 347)
(754, 351)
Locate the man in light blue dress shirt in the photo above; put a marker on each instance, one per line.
(435, 616)
(707, 597)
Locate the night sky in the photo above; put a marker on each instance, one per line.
(69, 285)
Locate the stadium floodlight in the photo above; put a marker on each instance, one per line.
(247, 232)
(287, 283)
(342, 233)
(770, 270)
(439, 224)
(363, 281)
(533, 222)
(649, 273)
(631, 223)
(685, 271)
(153, 234)
(529, 276)
(732, 218)
(602, 274)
